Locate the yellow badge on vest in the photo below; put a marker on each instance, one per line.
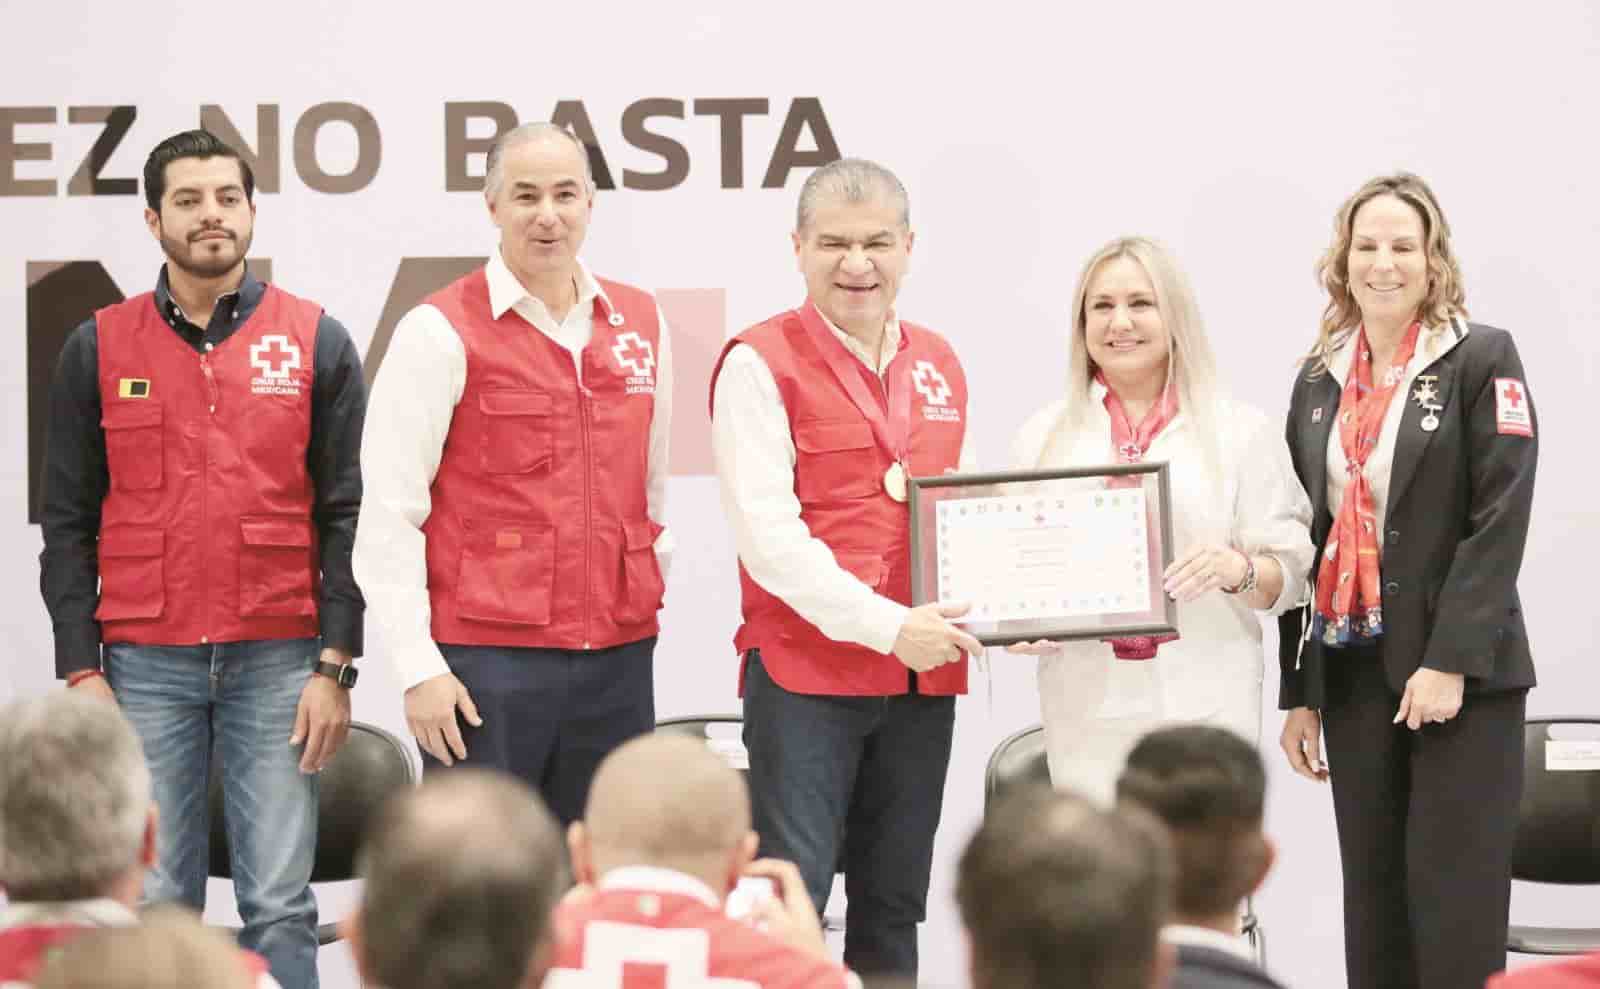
(133, 388)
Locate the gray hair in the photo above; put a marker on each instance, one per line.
(853, 180)
(74, 797)
(461, 876)
(527, 134)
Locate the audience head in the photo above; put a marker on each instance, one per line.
(169, 949)
(77, 814)
(668, 801)
(461, 875)
(1057, 892)
(1208, 786)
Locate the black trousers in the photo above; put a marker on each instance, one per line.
(1426, 824)
(551, 715)
(870, 770)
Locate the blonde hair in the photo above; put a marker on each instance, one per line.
(1445, 298)
(1191, 368)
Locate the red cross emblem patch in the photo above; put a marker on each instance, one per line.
(1512, 414)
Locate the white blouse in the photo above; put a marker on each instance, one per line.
(1262, 510)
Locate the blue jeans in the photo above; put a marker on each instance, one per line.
(237, 699)
(854, 783)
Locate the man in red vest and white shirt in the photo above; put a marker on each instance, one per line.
(78, 829)
(664, 841)
(201, 486)
(516, 463)
(819, 415)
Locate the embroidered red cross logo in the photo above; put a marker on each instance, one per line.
(933, 386)
(634, 355)
(1513, 394)
(275, 356)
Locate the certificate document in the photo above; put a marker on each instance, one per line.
(1046, 554)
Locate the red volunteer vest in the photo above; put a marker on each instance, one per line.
(838, 477)
(24, 950)
(206, 532)
(637, 938)
(539, 535)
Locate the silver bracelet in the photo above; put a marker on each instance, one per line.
(1248, 584)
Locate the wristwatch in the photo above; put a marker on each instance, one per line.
(344, 674)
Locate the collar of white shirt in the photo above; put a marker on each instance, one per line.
(101, 912)
(1434, 343)
(505, 290)
(649, 878)
(887, 348)
(1205, 937)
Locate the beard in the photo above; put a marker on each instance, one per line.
(195, 258)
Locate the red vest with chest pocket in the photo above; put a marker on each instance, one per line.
(538, 534)
(838, 478)
(206, 532)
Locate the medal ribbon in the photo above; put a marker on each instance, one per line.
(891, 427)
(1349, 604)
(1130, 444)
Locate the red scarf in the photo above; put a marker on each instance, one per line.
(1130, 444)
(1349, 604)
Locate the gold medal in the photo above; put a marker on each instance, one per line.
(894, 481)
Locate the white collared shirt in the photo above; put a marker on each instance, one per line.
(408, 418)
(1188, 935)
(655, 879)
(98, 912)
(755, 459)
(1432, 344)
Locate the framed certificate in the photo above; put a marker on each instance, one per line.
(1075, 553)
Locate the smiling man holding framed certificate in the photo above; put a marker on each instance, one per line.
(820, 417)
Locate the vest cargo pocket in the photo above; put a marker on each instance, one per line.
(639, 598)
(275, 567)
(834, 461)
(507, 573)
(517, 436)
(869, 569)
(134, 445)
(132, 574)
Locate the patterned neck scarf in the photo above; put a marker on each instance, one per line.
(1131, 443)
(1349, 604)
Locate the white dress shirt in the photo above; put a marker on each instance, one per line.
(1094, 706)
(755, 458)
(1431, 345)
(408, 417)
(1187, 935)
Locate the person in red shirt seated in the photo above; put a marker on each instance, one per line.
(665, 838)
(77, 828)
(1581, 972)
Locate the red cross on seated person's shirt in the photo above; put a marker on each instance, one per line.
(275, 356)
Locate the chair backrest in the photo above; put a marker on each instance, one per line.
(726, 742)
(370, 765)
(1020, 758)
(1558, 823)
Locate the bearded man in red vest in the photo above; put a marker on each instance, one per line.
(819, 414)
(201, 487)
(516, 463)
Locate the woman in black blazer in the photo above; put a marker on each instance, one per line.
(1414, 435)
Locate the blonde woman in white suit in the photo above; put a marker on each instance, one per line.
(1142, 385)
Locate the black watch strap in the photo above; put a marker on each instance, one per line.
(342, 674)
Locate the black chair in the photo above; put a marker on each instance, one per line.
(1558, 830)
(370, 765)
(1022, 758)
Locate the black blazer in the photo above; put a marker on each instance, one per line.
(1212, 968)
(1456, 521)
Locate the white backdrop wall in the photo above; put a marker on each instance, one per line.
(1027, 137)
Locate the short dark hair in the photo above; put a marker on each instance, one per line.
(1209, 787)
(461, 876)
(189, 144)
(1057, 892)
